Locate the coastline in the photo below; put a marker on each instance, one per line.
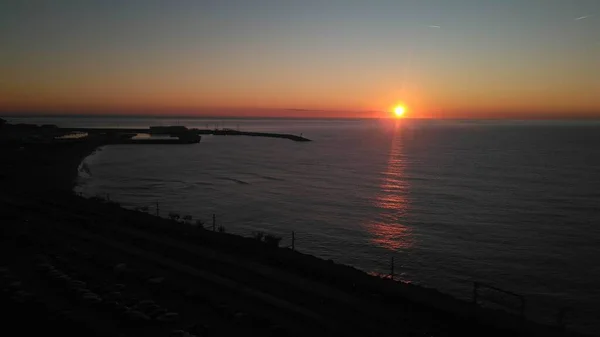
(49, 166)
(57, 172)
(79, 156)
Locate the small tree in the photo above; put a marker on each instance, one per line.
(187, 218)
(221, 229)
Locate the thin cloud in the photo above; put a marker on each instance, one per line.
(306, 110)
(583, 17)
(433, 26)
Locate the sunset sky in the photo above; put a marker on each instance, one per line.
(442, 59)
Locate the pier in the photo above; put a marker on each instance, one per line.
(178, 131)
(230, 132)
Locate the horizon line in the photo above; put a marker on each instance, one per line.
(531, 118)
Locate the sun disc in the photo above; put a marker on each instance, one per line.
(399, 111)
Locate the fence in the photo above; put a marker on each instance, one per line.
(483, 295)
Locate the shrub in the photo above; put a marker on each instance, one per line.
(258, 235)
(272, 240)
(174, 216)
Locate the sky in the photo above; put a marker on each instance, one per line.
(441, 59)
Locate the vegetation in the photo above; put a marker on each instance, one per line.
(174, 216)
(268, 239)
(142, 209)
(104, 200)
(272, 240)
(258, 235)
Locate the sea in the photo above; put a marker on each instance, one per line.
(510, 204)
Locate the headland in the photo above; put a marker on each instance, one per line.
(182, 132)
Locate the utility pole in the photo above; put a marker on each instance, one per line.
(293, 240)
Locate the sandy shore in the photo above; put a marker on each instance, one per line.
(62, 248)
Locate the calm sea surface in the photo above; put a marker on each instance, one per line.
(514, 204)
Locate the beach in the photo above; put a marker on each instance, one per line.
(113, 271)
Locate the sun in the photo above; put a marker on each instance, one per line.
(399, 111)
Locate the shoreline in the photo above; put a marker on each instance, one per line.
(57, 168)
(79, 160)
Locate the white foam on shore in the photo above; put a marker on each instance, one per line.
(84, 173)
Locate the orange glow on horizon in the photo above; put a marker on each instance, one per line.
(420, 108)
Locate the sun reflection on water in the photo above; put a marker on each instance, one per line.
(387, 230)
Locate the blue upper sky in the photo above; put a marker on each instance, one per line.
(441, 58)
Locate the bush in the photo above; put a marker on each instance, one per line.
(258, 235)
(98, 198)
(272, 240)
(221, 229)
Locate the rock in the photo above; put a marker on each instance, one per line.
(146, 302)
(150, 309)
(156, 280)
(276, 330)
(15, 285)
(122, 310)
(77, 284)
(120, 268)
(137, 316)
(111, 304)
(199, 329)
(157, 312)
(168, 317)
(118, 286)
(115, 295)
(91, 299)
(241, 318)
(177, 333)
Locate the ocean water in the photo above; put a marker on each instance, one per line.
(515, 204)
